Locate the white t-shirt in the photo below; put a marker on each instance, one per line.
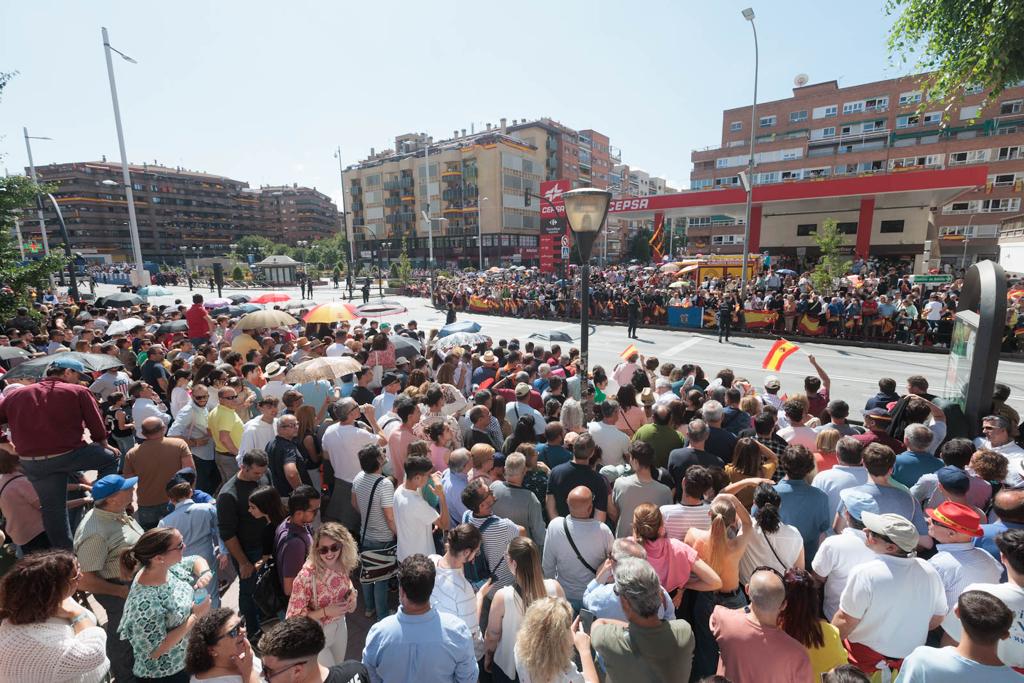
(946, 665)
(256, 434)
(787, 542)
(413, 519)
(1011, 650)
(342, 444)
(337, 350)
(274, 389)
(933, 310)
(894, 598)
(613, 442)
(835, 559)
(799, 436)
(257, 667)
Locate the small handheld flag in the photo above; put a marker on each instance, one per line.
(780, 351)
(630, 350)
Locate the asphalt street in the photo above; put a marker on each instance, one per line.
(854, 370)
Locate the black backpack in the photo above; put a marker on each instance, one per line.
(479, 571)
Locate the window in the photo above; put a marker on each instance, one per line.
(797, 116)
(847, 228)
(1007, 153)
(932, 118)
(1011, 107)
(967, 113)
(891, 226)
(792, 175)
(829, 132)
(735, 126)
(907, 120)
(907, 98)
(1000, 205)
(1003, 179)
(825, 112)
(876, 104)
(727, 239)
(767, 121)
(700, 184)
(806, 229)
(853, 107)
(973, 89)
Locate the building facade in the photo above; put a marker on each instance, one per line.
(825, 131)
(181, 214)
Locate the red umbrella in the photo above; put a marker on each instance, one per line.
(271, 298)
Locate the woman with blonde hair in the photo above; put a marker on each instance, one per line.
(825, 457)
(323, 591)
(510, 604)
(722, 546)
(545, 642)
(676, 563)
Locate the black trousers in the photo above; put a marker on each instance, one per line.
(724, 327)
(631, 327)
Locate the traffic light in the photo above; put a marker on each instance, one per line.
(526, 196)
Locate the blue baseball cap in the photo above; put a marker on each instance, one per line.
(858, 502)
(953, 479)
(69, 364)
(111, 484)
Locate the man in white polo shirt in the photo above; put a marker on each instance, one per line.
(612, 441)
(1011, 553)
(890, 603)
(839, 554)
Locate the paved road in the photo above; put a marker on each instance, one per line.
(854, 370)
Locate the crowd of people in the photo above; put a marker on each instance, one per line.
(876, 302)
(492, 513)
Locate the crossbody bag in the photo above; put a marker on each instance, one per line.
(380, 564)
(572, 543)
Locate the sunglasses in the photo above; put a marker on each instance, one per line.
(328, 549)
(235, 631)
(269, 674)
(232, 397)
(201, 398)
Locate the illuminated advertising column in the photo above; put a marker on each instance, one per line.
(553, 226)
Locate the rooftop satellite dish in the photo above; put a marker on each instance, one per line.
(801, 80)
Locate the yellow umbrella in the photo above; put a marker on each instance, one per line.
(265, 319)
(331, 312)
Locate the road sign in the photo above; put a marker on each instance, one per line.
(931, 279)
(366, 254)
(565, 253)
(565, 241)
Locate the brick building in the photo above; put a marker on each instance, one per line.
(825, 131)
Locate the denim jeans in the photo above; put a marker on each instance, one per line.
(246, 588)
(375, 595)
(119, 652)
(50, 479)
(148, 516)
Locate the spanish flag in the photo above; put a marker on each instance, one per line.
(630, 350)
(810, 326)
(777, 355)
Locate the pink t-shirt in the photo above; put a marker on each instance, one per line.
(439, 457)
(672, 560)
(398, 446)
(20, 506)
(753, 653)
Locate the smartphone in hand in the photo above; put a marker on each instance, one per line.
(586, 620)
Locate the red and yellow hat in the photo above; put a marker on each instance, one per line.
(958, 517)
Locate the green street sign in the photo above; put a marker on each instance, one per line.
(931, 279)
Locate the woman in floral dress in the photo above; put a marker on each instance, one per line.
(323, 591)
(161, 607)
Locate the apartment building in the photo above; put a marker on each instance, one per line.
(825, 131)
(298, 213)
(475, 180)
(180, 213)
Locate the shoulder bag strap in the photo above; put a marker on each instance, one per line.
(772, 548)
(579, 556)
(369, 504)
(626, 420)
(6, 483)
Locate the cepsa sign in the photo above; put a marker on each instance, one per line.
(632, 204)
(552, 209)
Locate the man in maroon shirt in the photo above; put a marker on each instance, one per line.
(48, 422)
(200, 324)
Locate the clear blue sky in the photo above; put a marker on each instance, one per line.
(264, 91)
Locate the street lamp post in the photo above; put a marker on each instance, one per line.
(133, 225)
(748, 14)
(967, 240)
(72, 279)
(39, 199)
(349, 237)
(585, 210)
(480, 233)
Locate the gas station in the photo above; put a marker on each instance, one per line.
(884, 214)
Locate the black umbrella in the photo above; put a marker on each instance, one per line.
(405, 347)
(229, 311)
(83, 316)
(172, 327)
(11, 352)
(239, 298)
(552, 336)
(121, 300)
(36, 368)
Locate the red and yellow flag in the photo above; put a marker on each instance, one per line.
(630, 350)
(810, 326)
(777, 355)
(756, 319)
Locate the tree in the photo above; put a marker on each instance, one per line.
(18, 193)
(237, 274)
(404, 271)
(260, 247)
(961, 43)
(640, 248)
(832, 264)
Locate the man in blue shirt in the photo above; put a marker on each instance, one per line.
(600, 596)
(803, 506)
(891, 496)
(553, 453)
(419, 643)
(197, 523)
(453, 481)
(917, 460)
